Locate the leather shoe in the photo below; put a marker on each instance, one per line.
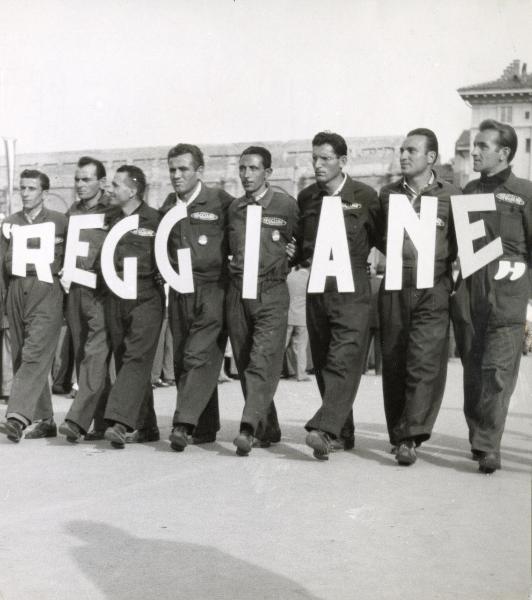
(116, 435)
(489, 463)
(179, 438)
(320, 442)
(406, 453)
(12, 429)
(204, 438)
(342, 443)
(141, 436)
(71, 431)
(43, 429)
(95, 435)
(243, 443)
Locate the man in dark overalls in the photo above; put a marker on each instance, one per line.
(415, 322)
(85, 312)
(197, 319)
(35, 312)
(134, 324)
(337, 322)
(489, 307)
(257, 327)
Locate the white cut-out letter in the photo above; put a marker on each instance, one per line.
(467, 232)
(251, 251)
(402, 218)
(41, 257)
(76, 247)
(125, 288)
(181, 282)
(331, 252)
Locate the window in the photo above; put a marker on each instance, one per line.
(527, 114)
(506, 114)
(527, 145)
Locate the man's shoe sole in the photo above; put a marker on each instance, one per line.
(320, 447)
(70, 433)
(117, 441)
(178, 441)
(11, 431)
(243, 444)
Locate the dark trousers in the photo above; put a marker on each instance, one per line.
(197, 324)
(257, 329)
(488, 318)
(415, 340)
(35, 313)
(86, 320)
(134, 327)
(338, 330)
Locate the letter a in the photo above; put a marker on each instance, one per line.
(331, 253)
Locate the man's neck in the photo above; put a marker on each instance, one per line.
(332, 186)
(419, 182)
(131, 206)
(187, 195)
(92, 202)
(32, 213)
(495, 170)
(258, 194)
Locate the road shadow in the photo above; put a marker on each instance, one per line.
(125, 567)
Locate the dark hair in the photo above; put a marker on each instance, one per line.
(259, 151)
(34, 174)
(88, 160)
(431, 144)
(180, 149)
(333, 139)
(507, 135)
(137, 176)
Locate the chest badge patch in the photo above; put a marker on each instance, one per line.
(353, 206)
(143, 232)
(273, 221)
(202, 240)
(276, 236)
(510, 198)
(204, 216)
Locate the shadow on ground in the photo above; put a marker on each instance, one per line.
(125, 567)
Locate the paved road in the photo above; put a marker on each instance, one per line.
(89, 522)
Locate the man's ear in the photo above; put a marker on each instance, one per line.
(103, 183)
(268, 172)
(343, 161)
(432, 156)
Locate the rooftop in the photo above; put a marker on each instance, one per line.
(513, 78)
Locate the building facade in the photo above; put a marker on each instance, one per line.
(507, 99)
(374, 160)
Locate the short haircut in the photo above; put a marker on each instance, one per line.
(507, 135)
(333, 139)
(180, 149)
(264, 153)
(431, 144)
(137, 176)
(88, 160)
(34, 174)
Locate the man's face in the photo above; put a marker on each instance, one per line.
(488, 157)
(87, 183)
(414, 158)
(327, 166)
(252, 173)
(32, 193)
(183, 174)
(121, 190)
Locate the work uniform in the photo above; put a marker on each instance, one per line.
(415, 322)
(197, 319)
(297, 333)
(134, 325)
(257, 328)
(338, 321)
(86, 318)
(489, 313)
(35, 314)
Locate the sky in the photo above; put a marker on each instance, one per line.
(77, 75)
